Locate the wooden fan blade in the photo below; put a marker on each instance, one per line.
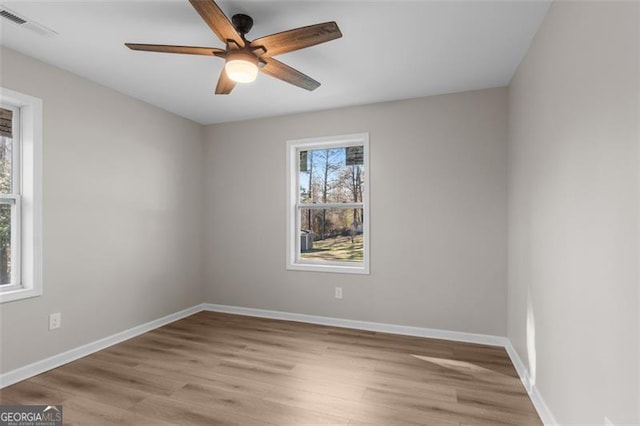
(299, 38)
(225, 84)
(284, 72)
(189, 50)
(217, 21)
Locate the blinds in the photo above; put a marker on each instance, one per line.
(6, 117)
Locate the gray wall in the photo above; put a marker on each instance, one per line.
(122, 214)
(573, 211)
(438, 214)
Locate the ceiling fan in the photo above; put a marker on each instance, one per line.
(243, 58)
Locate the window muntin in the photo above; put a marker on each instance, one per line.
(328, 205)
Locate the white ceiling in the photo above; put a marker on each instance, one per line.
(389, 50)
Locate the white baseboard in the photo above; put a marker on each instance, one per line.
(432, 333)
(38, 367)
(538, 402)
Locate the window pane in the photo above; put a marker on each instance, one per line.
(6, 156)
(5, 243)
(334, 175)
(332, 234)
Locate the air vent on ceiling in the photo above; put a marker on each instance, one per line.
(26, 23)
(10, 16)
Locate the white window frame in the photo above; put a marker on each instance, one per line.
(294, 262)
(14, 200)
(26, 196)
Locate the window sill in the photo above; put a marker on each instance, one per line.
(339, 269)
(19, 294)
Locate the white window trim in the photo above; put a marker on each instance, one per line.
(30, 132)
(293, 228)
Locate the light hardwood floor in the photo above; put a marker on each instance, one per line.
(214, 368)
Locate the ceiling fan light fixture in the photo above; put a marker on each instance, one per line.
(241, 67)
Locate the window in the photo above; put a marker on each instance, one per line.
(328, 204)
(10, 201)
(20, 196)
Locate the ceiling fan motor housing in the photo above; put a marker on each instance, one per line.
(242, 23)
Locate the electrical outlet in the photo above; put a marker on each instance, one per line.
(55, 321)
(338, 292)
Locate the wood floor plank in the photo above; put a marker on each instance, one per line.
(178, 412)
(82, 411)
(223, 369)
(31, 392)
(113, 394)
(358, 410)
(256, 407)
(117, 375)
